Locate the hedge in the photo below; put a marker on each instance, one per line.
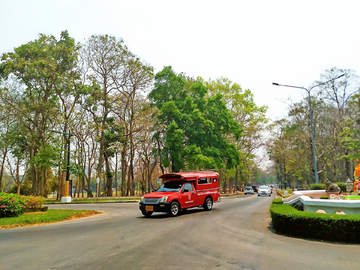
(317, 186)
(320, 186)
(328, 227)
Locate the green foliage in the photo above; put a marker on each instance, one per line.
(33, 202)
(317, 186)
(342, 186)
(11, 205)
(194, 127)
(324, 197)
(328, 227)
(109, 174)
(25, 188)
(320, 186)
(252, 122)
(277, 201)
(114, 133)
(42, 74)
(47, 156)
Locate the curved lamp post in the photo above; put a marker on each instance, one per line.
(311, 118)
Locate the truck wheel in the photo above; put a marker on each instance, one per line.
(146, 213)
(208, 204)
(174, 209)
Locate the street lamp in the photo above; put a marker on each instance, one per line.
(66, 199)
(311, 118)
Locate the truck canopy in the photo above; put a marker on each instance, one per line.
(187, 176)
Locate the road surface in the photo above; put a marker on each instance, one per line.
(236, 234)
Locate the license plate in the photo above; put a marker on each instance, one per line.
(149, 208)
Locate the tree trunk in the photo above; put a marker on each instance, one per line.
(2, 169)
(123, 171)
(88, 181)
(116, 174)
(109, 178)
(347, 166)
(18, 176)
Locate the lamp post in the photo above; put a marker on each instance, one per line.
(311, 118)
(68, 162)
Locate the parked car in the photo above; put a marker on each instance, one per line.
(264, 191)
(249, 190)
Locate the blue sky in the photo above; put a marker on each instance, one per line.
(253, 43)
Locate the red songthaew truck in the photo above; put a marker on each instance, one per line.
(181, 191)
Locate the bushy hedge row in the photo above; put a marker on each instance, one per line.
(11, 205)
(329, 227)
(320, 186)
(317, 186)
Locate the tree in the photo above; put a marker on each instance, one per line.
(104, 59)
(251, 119)
(193, 128)
(41, 69)
(114, 75)
(338, 93)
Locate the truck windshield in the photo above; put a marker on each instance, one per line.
(171, 186)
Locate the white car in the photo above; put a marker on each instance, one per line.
(249, 190)
(264, 191)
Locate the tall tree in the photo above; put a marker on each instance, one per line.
(193, 127)
(113, 73)
(41, 68)
(338, 93)
(251, 119)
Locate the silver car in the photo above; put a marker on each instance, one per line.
(264, 191)
(249, 190)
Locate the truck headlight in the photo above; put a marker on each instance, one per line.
(142, 199)
(164, 199)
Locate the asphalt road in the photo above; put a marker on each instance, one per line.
(236, 234)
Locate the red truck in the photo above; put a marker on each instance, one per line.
(181, 191)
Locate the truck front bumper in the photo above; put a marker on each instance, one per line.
(159, 207)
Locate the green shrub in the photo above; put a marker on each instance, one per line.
(329, 227)
(11, 205)
(324, 197)
(342, 186)
(34, 202)
(317, 186)
(277, 201)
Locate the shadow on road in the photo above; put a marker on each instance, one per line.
(159, 215)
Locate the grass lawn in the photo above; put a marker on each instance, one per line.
(41, 218)
(95, 200)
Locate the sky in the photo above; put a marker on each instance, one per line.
(253, 43)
